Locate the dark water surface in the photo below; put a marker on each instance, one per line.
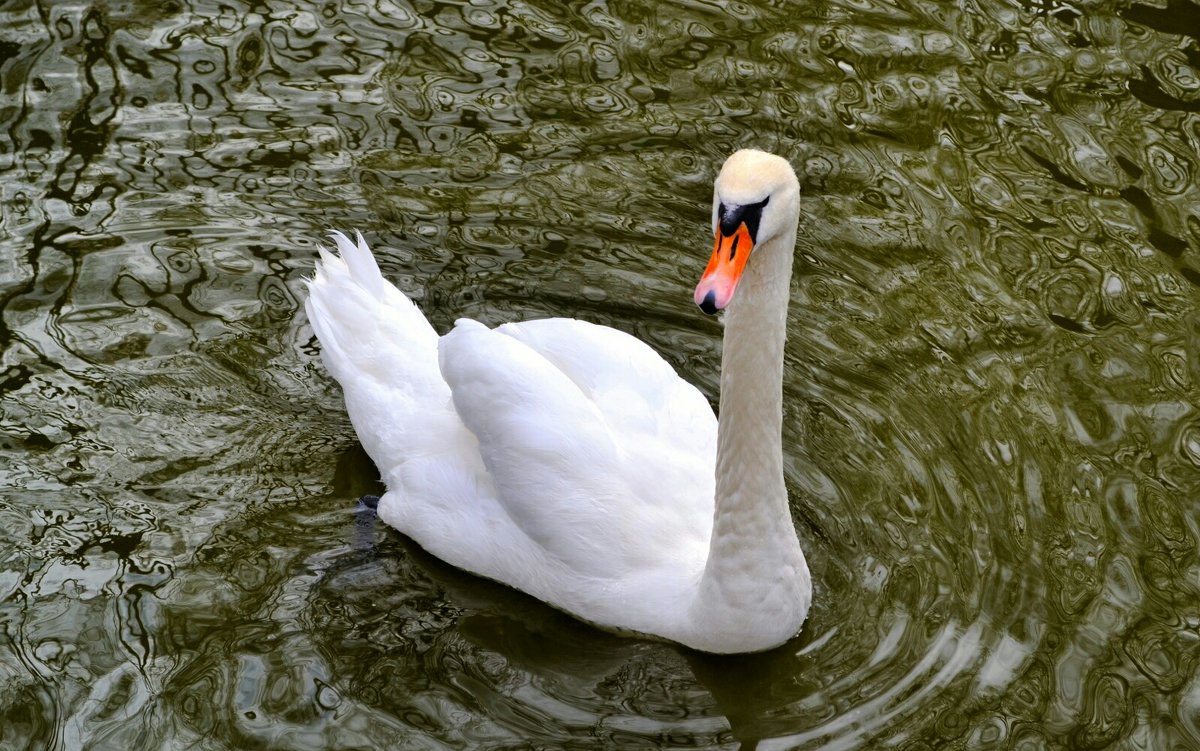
(992, 379)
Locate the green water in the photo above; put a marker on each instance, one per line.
(992, 437)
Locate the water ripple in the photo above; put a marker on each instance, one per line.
(991, 423)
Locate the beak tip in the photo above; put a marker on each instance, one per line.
(709, 303)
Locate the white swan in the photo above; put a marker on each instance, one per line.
(570, 461)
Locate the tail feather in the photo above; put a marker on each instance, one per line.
(361, 263)
(383, 352)
(366, 326)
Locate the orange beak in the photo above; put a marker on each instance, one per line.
(724, 270)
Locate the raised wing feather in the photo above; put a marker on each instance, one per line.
(575, 458)
(639, 393)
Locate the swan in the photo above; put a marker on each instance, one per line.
(570, 461)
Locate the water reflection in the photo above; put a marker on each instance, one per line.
(992, 384)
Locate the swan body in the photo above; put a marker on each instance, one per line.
(570, 461)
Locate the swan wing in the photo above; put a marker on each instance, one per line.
(573, 423)
(664, 427)
(639, 393)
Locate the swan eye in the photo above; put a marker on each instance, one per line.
(750, 214)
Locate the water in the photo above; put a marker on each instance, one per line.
(992, 434)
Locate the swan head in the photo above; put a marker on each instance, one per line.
(756, 198)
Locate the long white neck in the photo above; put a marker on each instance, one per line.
(756, 589)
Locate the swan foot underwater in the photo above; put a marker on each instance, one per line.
(570, 461)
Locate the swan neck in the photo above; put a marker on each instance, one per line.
(755, 587)
(749, 468)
